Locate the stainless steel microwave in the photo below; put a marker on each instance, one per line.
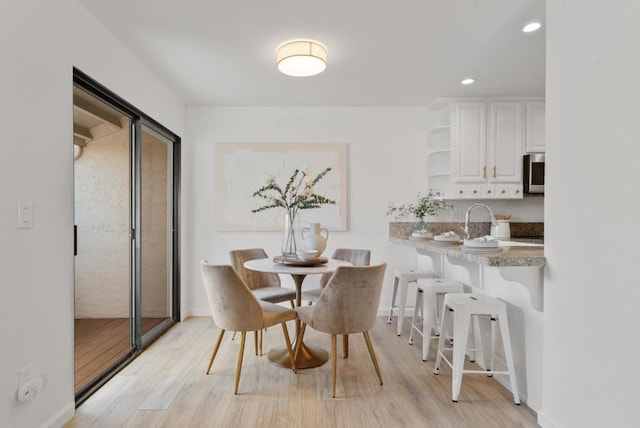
(533, 173)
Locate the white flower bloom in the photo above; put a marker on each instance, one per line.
(271, 179)
(306, 171)
(294, 186)
(309, 191)
(308, 183)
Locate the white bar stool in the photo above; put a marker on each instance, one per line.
(401, 280)
(427, 294)
(462, 306)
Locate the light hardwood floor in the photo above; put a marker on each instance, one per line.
(166, 386)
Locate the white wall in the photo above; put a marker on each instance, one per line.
(386, 164)
(40, 42)
(380, 164)
(593, 147)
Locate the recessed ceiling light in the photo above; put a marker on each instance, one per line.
(302, 58)
(531, 27)
(468, 81)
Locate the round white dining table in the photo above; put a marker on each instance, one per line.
(309, 356)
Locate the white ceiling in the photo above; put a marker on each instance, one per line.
(381, 52)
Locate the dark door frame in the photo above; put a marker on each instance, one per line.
(138, 119)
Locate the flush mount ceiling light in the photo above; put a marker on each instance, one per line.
(468, 81)
(531, 27)
(302, 58)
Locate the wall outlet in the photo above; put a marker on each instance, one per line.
(29, 385)
(28, 390)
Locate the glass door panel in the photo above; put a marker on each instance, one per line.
(156, 183)
(102, 212)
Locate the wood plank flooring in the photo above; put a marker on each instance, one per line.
(166, 386)
(99, 343)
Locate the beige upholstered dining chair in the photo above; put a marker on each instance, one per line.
(265, 286)
(348, 304)
(354, 256)
(235, 308)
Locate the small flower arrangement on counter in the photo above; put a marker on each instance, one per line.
(426, 205)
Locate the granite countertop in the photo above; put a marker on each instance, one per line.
(509, 256)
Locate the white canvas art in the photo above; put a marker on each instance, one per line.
(243, 168)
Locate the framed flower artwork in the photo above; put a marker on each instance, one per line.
(241, 168)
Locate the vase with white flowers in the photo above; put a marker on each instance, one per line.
(426, 205)
(297, 194)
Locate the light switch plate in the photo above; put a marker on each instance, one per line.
(25, 215)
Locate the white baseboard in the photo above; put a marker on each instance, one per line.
(63, 416)
(205, 312)
(199, 312)
(545, 422)
(408, 312)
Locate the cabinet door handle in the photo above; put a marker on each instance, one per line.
(494, 171)
(484, 171)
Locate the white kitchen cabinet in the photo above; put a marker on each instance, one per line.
(535, 134)
(475, 147)
(469, 142)
(506, 133)
(487, 149)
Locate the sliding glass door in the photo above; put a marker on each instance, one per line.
(155, 304)
(126, 182)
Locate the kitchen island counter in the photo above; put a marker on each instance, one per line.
(511, 255)
(514, 275)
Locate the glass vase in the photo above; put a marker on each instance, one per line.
(421, 230)
(289, 247)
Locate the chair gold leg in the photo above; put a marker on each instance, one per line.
(234, 336)
(260, 341)
(373, 355)
(345, 345)
(303, 327)
(334, 364)
(215, 350)
(255, 341)
(288, 342)
(239, 367)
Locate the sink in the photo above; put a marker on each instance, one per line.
(518, 244)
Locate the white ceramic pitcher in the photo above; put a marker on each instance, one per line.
(313, 239)
(501, 230)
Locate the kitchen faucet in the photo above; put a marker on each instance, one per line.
(466, 217)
